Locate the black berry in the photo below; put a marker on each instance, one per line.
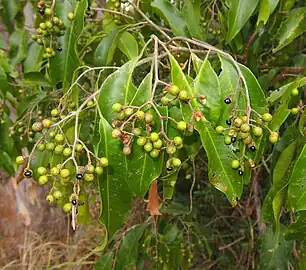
(41, 11)
(240, 172)
(228, 122)
(89, 16)
(74, 202)
(227, 101)
(253, 148)
(169, 169)
(79, 176)
(27, 174)
(59, 49)
(233, 139)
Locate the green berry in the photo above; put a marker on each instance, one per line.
(41, 147)
(43, 179)
(55, 171)
(227, 140)
(59, 138)
(165, 101)
(58, 150)
(52, 134)
(50, 198)
(89, 177)
(248, 140)
(48, 11)
(177, 140)
(128, 111)
(235, 164)
(42, 170)
(37, 126)
(67, 152)
(127, 150)
(79, 148)
(50, 146)
(183, 95)
(67, 207)
(154, 153)
(120, 116)
(70, 16)
(90, 168)
(294, 111)
(49, 24)
(181, 125)
(266, 117)
(56, 20)
(176, 162)
(141, 141)
(46, 123)
(65, 173)
(116, 133)
(174, 90)
(42, 26)
(295, 92)
(33, 37)
(243, 135)
(238, 122)
(136, 131)
(140, 115)
(257, 131)
(158, 144)
(154, 136)
(98, 170)
(57, 195)
(273, 138)
(90, 103)
(170, 149)
(117, 107)
(148, 118)
(103, 161)
(245, 128)
(19, 160)
(55, 112)
(219, 129)
(148, 147)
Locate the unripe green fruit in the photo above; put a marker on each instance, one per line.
(55, 112)
(65, 181)
(141, 141)
(42, 26)
(219, 129)
(177, 140)
(117, 107)
(90, 168)
(158, 144)
(70, 16)
(127, 150)
(50, 198)
(116, 133)
(248, 140)
(55, 171)
(243, 135)
(39, 41)
(37, 126)
(42, 170)
(59, 138)
(48, 11)
(235, 164)
(41, 147)
(227, 140)
(90, 103)
(58, 150)
(295, 92)
(79, 148)
(19, 160)
(244, 118)
(165, 101)
(103, 161)
(238, 122)
(148, 147)
(176, 162)
(33, 37)
(273, 138)
(55, 20)
(154, 136)
(257, 131)
(148, 117)
(294, 111)
(140, 115)
(57, 194)
(99, 170)
(181, 125)
(67, 152)
(49, 24)
(136, 131)
(183, 95)
(174, 90)
(43, 179)
(52, 134)
(170, 149)
(245, 128)
(154, 153)
(46, 123)
(50, 146)
(128, 111)
(89, 177)
(67, 207)
(266, 117)
(65, 173)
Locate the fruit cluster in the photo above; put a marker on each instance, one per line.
(115, 5)
(2, 121)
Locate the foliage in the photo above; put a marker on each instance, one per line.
(123, 100)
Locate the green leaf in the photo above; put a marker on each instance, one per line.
(34, 58)
(197, 62)
(221, 174)
(128, 45)
(105, 51)
(10, 10)
(207, 84)
(169, 185)
(117, 88)
(35, 78)
(266, 9)
(297, 230)
(6, 162)
(291, 28)
(114, 190)
(128, 251)
(105, 262)
(275, 250)
(172, 16)
(64, 64)
(239, 13)
(18, 46)
(297, 184)
(4, 84)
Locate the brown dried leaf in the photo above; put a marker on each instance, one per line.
(153, 205)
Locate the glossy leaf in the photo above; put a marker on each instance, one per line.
(221, 174)
(128, 251)
(114, 190)
(239, 13)
(275, 250)
(207, 84)
(128, 45)
(18, 46)
(172, 16)
(6, 162)
(266, 9)
(297, 184)
(4, 84)
(34, 58)
(10, 10)
(63, 65)
(291, 28)
(35, 79)
(105, 262)
(297, 230)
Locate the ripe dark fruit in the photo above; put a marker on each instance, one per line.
(59, 49)
(74, 202)
(253, 148)
(169, 169)
(233, 139)
(27, 174)
(79, 176)
(227, 101)
(41, 11)
(240, 172)
(228, 122)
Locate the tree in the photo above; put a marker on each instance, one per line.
(121, 99)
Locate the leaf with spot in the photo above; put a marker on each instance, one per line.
(291, 28)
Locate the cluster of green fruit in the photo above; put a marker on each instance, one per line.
(2, 121)
(174, 93)
(296, 110)
(135, 124)
(115, 5)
